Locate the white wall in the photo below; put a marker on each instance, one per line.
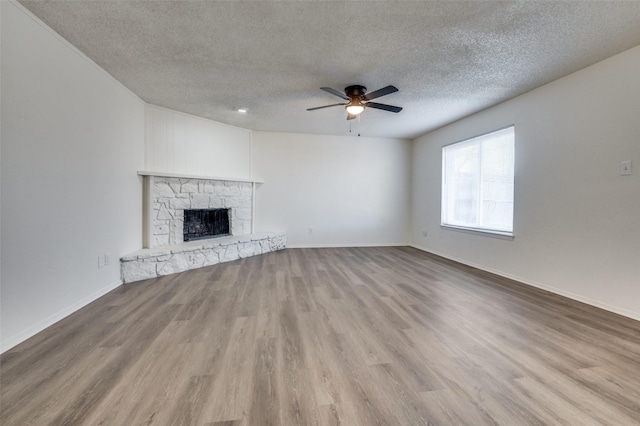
(185, 144)
(577, 221)
(351, 191)
(72, 141)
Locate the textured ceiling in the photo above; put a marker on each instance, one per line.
(448, 58)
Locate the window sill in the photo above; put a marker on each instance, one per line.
(486, 232)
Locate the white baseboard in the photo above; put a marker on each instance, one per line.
(12, 341)
(347, 245)
(607, 307)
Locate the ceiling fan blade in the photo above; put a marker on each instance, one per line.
(384, 107)
(380, 92)
(325, 106)
(351, 116)
(335, 92)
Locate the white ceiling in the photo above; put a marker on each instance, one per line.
(448, 58)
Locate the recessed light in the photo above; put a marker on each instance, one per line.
(242, 110)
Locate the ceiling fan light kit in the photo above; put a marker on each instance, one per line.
(354, 107)
(359, 100)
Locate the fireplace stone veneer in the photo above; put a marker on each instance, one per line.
(171, 196)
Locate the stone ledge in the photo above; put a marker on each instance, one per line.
(165, 260)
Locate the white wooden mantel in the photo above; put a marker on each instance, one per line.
(148, 183)
(187, 176)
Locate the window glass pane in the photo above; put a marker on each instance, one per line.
(478, 174)
(465, 185)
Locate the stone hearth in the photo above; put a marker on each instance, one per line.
(159, 261)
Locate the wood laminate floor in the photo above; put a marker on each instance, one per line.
(353, 336)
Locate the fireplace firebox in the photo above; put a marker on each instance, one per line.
(205, 223)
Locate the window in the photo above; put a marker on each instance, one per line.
(477, 183)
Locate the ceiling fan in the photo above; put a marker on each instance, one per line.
(359, 100)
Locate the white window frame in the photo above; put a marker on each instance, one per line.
(508, 233)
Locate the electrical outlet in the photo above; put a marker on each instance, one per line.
(311, 230)
(625, 168)
(424, 233)
(106, 259)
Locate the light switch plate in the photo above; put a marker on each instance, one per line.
(625, 168)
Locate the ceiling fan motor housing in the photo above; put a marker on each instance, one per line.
(355, 91)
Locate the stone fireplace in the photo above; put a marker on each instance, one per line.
(170, 197)
(170, 246)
